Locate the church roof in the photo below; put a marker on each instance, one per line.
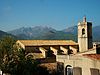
(46, 42)
(93, 56)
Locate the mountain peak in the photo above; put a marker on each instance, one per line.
(45, 32)
(31, 32)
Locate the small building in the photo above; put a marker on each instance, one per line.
(86, 64)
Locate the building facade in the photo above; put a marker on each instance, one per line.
(87, 60)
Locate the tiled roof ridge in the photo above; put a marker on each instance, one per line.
(48, 42)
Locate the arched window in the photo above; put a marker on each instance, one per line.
(69, 70)
(83, 31)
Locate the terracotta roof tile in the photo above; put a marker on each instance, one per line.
(93, 56)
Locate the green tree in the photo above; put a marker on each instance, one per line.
(6, 50)
(13, 59)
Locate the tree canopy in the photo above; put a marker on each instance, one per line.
(14, 62)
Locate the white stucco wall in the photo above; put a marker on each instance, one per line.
(79, 61)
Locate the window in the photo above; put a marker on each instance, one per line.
(94, 71)
(83, 31)
(69, 70)
(60, 68)
(77, 71)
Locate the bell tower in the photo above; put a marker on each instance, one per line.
(85, 35)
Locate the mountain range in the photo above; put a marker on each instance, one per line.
(2, 33)
(44, 33)
(41, 32)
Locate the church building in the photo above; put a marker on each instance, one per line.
(82, 58)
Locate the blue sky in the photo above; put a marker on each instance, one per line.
(58, 14)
